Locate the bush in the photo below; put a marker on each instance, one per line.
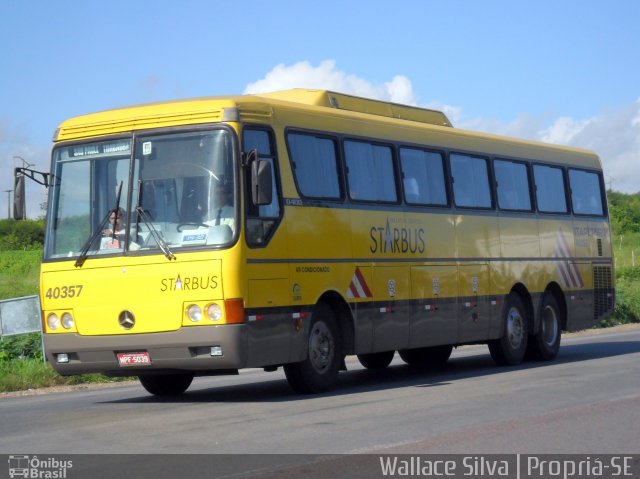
(627, 309)
(22, 346)
(21, 235)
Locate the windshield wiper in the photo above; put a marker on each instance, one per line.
(162, 244)
(85, 248)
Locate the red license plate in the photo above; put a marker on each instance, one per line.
(134, 359)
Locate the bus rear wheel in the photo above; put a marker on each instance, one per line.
(434, 355)
(319, 371)
(544, 345)
(166, 384)
(376, 360)
(510, 349)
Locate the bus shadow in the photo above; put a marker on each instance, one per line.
(398, 375)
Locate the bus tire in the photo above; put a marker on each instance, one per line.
(510, 349)
(434, 355)
(319, 370)
(376, 360)
(544, 345)
(166, 384)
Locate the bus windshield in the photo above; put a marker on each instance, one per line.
(167, 191)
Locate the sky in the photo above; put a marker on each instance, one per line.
(564, 72)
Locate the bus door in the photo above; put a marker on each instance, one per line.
(270, 323)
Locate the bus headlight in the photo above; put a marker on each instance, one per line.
(53, 321)
(67, 321)
(194, 312)
(214, 312)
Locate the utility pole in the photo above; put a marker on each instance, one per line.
(8, 192)
(610, 181)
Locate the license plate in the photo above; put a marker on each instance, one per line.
(134, 359)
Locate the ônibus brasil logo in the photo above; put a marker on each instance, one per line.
(38, 468)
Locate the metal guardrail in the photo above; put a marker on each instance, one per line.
(20, 316)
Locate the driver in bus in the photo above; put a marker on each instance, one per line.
(108, 242)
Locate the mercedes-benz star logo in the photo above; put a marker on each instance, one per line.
(126, 319)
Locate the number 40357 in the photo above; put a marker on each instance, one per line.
(64, 292)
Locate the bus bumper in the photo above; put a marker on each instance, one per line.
(187, 349)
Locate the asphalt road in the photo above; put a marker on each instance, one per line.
(586, 401)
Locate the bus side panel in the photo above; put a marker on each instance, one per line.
(519, 247)
(474, 313)
(557, 243)
(592, 239)
(580, 302)
(477, 236)
(267, 280)
(392, 312)
(519, 237)
(435, 312)
(270, 329)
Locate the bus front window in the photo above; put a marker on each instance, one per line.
(182, 195)
(184, 190)
(85, 185)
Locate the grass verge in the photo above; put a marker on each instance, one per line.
(20, 374)
(19, 273)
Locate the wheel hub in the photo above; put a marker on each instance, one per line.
(549, 326)
(515, 328)
(321, 347)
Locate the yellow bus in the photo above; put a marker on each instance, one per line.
(294, 228)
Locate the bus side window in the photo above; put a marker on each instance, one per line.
(512, 185)
(550, 193)
(261, 220)
(470, 181)
(586, 192)
(423, 173)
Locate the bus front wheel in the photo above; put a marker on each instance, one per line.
(511, 347)
(319, 371)
(166, 384)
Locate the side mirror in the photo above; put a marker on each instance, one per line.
(261, 180)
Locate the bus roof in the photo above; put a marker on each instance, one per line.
(210, 109)
(341, 101)
(261, 108)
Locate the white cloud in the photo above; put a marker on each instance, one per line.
(400, 90)
(564, 130)
(614, 134)
(327, 77)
